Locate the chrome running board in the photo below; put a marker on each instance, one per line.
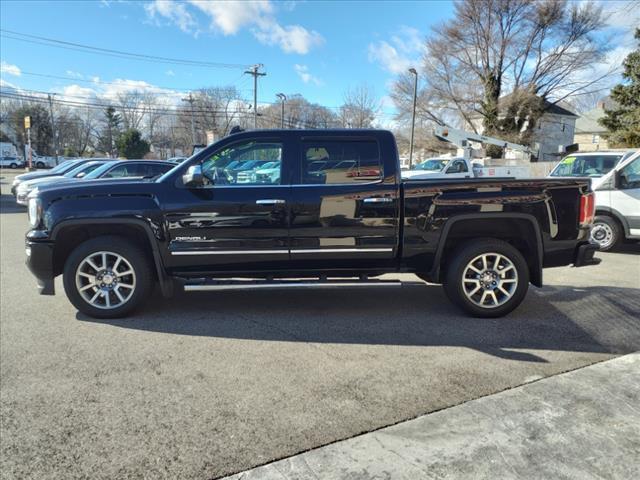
(249, 285)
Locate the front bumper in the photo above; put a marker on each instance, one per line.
(585, 255)
(40, 263)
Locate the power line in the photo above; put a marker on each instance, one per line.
(52, 42)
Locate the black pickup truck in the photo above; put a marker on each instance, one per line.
(282, 208)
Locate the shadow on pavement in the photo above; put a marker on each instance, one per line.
(552, 318)
(630, 247)
(8, 205)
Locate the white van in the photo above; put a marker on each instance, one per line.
(617, 204)
(589, 164)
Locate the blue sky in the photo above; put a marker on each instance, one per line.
(315, 48)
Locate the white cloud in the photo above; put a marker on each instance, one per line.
(230, 17)
(290, 38)
(10, 69)
(306, 76)
(400, 53)
(74, 74)
(170, 73)
(174, 12)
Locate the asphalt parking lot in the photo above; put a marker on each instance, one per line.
(206, 385)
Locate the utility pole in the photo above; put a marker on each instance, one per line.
(27, 126)
(54, 132)
(191, 100)
(255, 73)
(413, 117)
(283, 98)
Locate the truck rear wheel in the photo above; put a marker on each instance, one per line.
(107, 277)
(487, 278)
(40, 165)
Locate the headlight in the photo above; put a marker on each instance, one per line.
(35, 212)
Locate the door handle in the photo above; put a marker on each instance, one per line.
(378, 200)
(270, 201)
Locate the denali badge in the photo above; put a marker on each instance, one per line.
(189, 239)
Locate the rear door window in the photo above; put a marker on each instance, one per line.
(341, 162)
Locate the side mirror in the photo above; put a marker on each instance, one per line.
(193, 177)
(617, 179)
(81, 175)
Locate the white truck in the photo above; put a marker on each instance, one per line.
(464, 167)
(617, 204)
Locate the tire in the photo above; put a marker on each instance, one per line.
(606, 232)
(120, 292)
(487, 292)
(39, 165)
(13, 166)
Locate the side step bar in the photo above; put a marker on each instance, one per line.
(205, 286)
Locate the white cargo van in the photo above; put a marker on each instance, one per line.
(617, 204)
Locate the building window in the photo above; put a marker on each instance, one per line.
(595, 138)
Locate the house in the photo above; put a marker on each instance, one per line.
(589, 133)
(553, 133)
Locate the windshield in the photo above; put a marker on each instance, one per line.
(99, 171)
(62, 167)
(432, 165)
(585, 165)
(85, 168)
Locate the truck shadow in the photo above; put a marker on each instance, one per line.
(594, 319)
(8, 205)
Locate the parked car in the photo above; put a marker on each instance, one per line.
(589, 164)
(267, 173)
(11, 162)
(59, 170)
(617, 204)
(25, 188)
(113, 240)
(440, 168)
(125, 169)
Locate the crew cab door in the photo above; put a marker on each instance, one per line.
(344, 210)
(227, 224)
(458, 168)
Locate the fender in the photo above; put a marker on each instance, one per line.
(166, 283)
(618, 216)
(536, 274)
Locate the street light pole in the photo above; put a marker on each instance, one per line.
(413, 116)
(283, 98)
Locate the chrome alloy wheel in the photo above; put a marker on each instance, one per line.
(105, 280)
(602, 234)
(490, 280)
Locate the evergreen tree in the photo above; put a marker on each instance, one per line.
(111, 131)
(131, 144)
(623, 122)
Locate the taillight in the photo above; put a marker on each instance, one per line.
(587, 208)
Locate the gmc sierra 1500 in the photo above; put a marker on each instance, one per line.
(332, 207)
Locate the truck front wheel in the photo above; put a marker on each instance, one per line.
(487, 278)
(107, 277)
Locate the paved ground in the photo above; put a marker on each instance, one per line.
(584, 424)
(206, 385)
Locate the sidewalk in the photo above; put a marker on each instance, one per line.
(583, 424)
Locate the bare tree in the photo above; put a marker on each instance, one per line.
(360, 107)
(299, 113)
(536, 51)
(133, 106)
